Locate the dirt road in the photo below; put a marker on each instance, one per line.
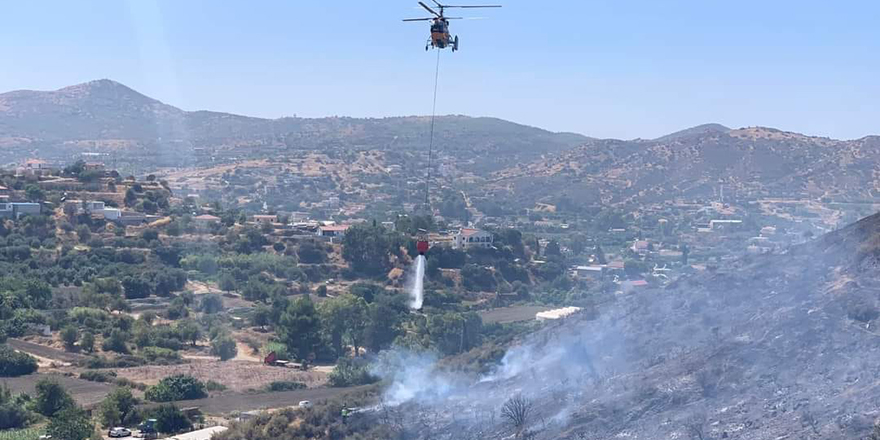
(84, 392)
(44, 352)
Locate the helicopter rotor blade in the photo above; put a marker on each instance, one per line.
(418, 19)
(472, 6)
(429, 9)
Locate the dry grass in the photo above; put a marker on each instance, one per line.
(237, 375)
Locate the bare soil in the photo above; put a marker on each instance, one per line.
(237, 375)
(511, 314)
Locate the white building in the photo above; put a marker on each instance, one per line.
(201, 434)
(332, 231)
(112, 214)
(467, 238)
(556, 313)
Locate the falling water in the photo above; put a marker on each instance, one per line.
(414, 284)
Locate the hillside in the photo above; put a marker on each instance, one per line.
(107, 116)
(695, 163)
(768, 347)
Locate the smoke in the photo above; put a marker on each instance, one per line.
(543, 363)
(413, 377)
(414, 284)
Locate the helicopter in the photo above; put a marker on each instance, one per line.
(440, 37)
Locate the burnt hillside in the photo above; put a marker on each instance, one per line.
(769, 347)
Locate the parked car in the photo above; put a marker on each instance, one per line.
(119, 432)
(305, 404)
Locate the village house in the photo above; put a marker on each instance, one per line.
(35, 167)
(18, 209)
(93, 166)
(468, 238)
(593, 272)
(205, 220)
(332, 231)
(641, 247)
(265, 218)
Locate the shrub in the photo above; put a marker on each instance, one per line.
(160, 355)
(98, 376)
(169, 419)
(349, 372)
(214, 386)
(285, 385)
(177, 387)
(224, 348)
(14, 363)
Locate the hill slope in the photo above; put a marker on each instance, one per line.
(749, 162)
(778, 346)
(104, 114)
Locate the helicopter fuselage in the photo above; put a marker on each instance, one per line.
(440, 37)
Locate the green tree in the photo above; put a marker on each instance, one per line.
(83, 233)
(51, 398)
(552, 249)
(224, 348)
(137, 286)
(262, 316)
(298, 328)
(331, 313)
(453, 333)
(34, 193)
(116, 342)
(117, 408)
(71, 423)
(177, 387)
(578, 244)
(384, 322)
(12, 414)
(14, 363)
(350, 372)
(87, 342)
(69, 335)
(189, 331)
(226, 282)
(368, 249)
(311, 252)
(211, 304)
(169, 419)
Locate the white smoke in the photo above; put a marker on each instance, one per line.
(415, 283)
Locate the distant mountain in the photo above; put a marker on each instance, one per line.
(104, 114)
(695, 163)
(694, 131)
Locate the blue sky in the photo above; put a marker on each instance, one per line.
(617, 68)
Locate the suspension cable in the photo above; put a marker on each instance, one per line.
(431, 142)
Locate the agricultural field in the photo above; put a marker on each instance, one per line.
(236, 375)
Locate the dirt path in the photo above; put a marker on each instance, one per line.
(228, 403)
(44, 352)
(84, 392)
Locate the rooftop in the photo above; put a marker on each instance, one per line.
(201, 434)
(207, 217)
(337, 228)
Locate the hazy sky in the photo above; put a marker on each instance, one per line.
(616, 68)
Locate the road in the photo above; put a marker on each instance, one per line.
(227, 403)
(84, 392)
(44, 351)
